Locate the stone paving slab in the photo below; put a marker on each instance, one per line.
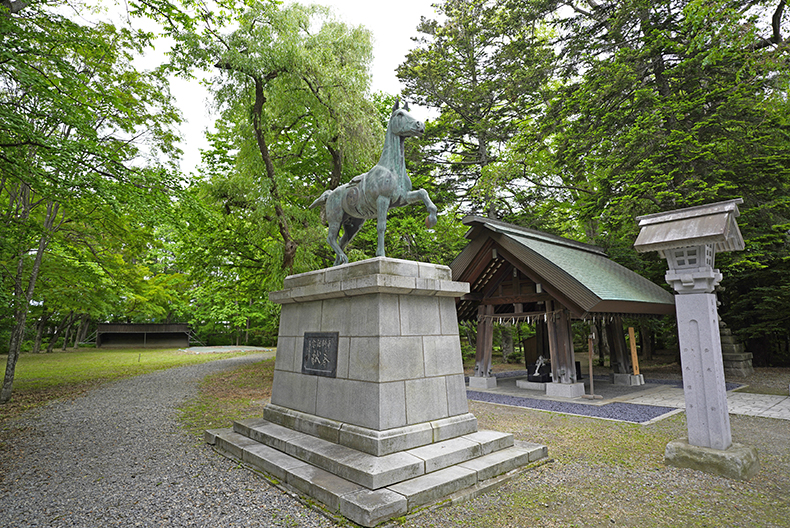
(655, 395)
(748, 404)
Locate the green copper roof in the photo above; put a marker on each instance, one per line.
(578, 272)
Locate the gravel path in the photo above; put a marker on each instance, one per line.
(117, 457)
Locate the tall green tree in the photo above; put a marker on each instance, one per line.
(291, 95)
(290, 88)
(485, 74)
(77, 119)
(669, 104)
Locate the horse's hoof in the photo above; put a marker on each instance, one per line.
(430, 222)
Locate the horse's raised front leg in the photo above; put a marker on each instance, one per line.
(334, 231)
(382, 206)
(422, 196)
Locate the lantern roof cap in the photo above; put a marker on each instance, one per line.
(712, 224)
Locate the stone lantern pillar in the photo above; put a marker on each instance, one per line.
(689, 239)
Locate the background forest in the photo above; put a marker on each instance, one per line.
(572, 117)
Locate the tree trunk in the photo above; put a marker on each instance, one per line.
(85, 328)
(289, 245)
(337, 166)
(646, 338)
(507, 341)
(249, 323)
(606, 348)
(78, 332)
(67, 333)
(470, 333)
(54, 339)
(42, 325)
(596, 337)
(23, 296)
(517, 342)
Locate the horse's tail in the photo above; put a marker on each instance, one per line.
(321, 199)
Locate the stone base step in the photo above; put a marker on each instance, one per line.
(738, 364)
(372, 471)
(740, 371)
(745, 356)
(369, 506)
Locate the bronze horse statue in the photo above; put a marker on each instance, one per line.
(372, 194)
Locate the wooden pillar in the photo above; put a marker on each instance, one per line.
(568, 357)
(485, 341)
(542, 338)
(563, 368)
(619, 351)
(605, 346)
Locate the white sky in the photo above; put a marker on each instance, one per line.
(392, 27)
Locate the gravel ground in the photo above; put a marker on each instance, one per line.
(627, 412)
(117, 457)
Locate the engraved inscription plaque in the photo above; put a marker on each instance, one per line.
(319, 354)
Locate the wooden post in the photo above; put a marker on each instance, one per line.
(618, 352)
(634, 357)
(563, 368)
(485, 341)
(481, 338)
(592, 395)
(554, 356)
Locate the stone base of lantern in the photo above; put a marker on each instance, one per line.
(565, 390)
(482, 382)
(738, 462)
(629, 380)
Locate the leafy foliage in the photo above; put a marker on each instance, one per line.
(574, 117)
(78, 122)
(484, 74)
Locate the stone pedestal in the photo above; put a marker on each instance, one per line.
(565, 390)
(531, 385)
(368, 412)
(629, 380)
(737, 462)
(737, 362)
(482, 382)
(398, 361)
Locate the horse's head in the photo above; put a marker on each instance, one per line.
(403, 124)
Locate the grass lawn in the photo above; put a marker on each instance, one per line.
(43, 377)
(228, 396)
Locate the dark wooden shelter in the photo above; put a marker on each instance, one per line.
(142, 335)
(518, 274)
